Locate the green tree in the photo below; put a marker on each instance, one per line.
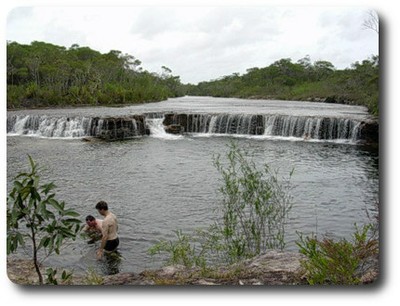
(323, 69)
(254, 206)
(33, 214)
(42, 74)
(302, 80)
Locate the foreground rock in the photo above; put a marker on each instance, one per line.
(271, 268)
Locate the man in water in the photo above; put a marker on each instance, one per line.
(109, 240)
(93, 228)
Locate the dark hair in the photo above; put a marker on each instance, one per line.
(102, 205)
(90, 218)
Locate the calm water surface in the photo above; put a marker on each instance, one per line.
(156, 185)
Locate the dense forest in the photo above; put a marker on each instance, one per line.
(45, 75)
(303, 80)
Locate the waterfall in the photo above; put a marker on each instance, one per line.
(211, 128)
(315, 128)
(75, 127)
(45, 126)
(217, 123)
(157, 129)
(117, 128)
(312, 127)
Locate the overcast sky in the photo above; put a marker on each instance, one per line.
(339, 38)
(203, 43)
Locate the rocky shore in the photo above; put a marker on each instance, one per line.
(272, 268)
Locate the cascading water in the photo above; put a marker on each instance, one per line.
(157, 129)
(282, 126)
(316, 128)
(243, 124)
(170, 184)
(45, 126)
(74, 127)
(312, 128)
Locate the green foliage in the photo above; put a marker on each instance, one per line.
(93, 278)
(338, 262)
(42, 74)
(66, 277)
(182, 251)
(250, 218)
(35, 215)
(301, 81)
(254, 207)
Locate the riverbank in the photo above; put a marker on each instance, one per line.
(271, 269)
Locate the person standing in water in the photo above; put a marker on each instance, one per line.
(109, 240)
(93, 228)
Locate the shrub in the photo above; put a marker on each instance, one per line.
(250, 218)
(254, 206)
(35, 215)
(182, 251)
(338, 262)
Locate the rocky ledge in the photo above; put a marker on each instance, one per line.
(272, 268)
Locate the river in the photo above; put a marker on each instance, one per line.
(160, 183)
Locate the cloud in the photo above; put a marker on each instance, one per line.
(15, 15)
(197, 39)
(203, 43)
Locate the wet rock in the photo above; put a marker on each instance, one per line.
(174, 129)
(119, 128)
(369, 131)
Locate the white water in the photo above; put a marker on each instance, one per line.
(157, 129)
(50, 127)
(273, 126)
(156, 185)
(290, 119)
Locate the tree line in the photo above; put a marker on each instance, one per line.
(44, 75)
(302, 80)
